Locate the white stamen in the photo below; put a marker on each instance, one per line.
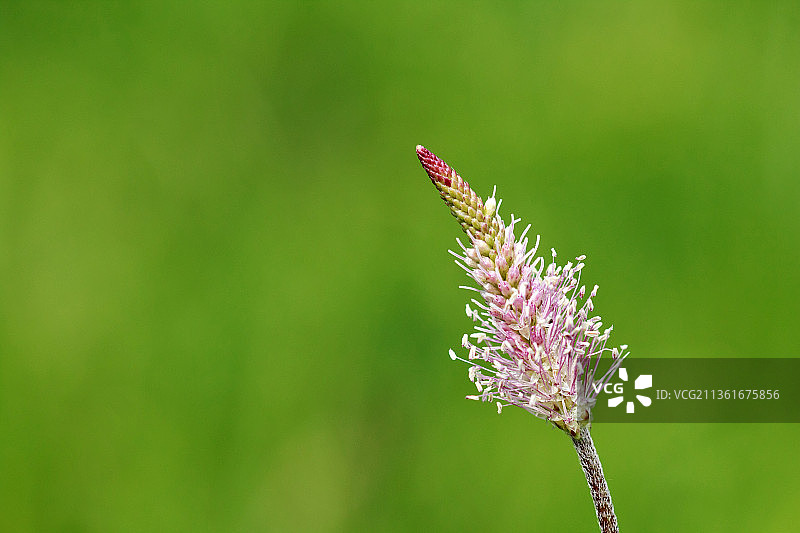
(490, 206)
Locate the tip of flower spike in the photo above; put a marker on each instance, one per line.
(438, 171)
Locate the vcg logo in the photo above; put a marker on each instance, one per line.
(644, 381)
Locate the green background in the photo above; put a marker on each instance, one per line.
(226, 301)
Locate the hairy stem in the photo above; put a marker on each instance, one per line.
(593, 470)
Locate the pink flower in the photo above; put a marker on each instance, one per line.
(535, 344)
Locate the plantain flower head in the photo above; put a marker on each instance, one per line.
(535, 344)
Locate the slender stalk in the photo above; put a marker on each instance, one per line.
(593, 470)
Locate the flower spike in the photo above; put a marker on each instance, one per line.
(535, 346)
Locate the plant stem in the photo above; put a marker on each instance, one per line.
(593, 470)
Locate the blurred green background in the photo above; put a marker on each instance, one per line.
(226, 298)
